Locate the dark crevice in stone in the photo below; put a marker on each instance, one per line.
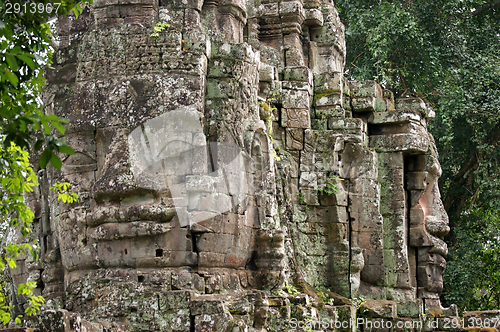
(245, 33)
(40, 285)
(251, 265)
(212, 154)
(45, 242)
(195, 246)
(279, 107)
(349, 220)
(191, 323)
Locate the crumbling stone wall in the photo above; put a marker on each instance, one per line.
(230, 177)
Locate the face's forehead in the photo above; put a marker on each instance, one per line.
(87, 106)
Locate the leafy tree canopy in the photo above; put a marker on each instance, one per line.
(447, 52)
(25, 48)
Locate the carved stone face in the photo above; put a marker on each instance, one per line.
(431, 222)
(428, 223)
(170, 199)
(144, 190)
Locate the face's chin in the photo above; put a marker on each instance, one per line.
(430, 274)
(431, 257)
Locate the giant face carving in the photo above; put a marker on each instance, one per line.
(148, 187)
(429, 224)
(171, 197)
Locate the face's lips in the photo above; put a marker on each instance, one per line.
(438, 246)
(125, 214)
(118, 236)
(117, 231)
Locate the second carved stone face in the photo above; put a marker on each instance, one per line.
(428, 225)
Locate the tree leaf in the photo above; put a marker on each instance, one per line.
(27, 60)
(38, 145)
(53, 117)
(11, 60)
(59, 127)
(55, 161)
(66, 149)
(12, 77)
(45, 158)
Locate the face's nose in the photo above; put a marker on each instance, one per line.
(436, 219)
(150, 157)
(115, 181)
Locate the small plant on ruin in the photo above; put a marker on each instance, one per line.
(290, 289)
(159, 27)
(358, 301)
(309, 323)
(324, 297)
(302, 201)
(300, 197)
(330, 187)
(266, 114)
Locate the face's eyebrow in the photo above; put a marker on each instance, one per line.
(169, 143)
(81, 153)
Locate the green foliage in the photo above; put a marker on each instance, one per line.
(5, 307)
(16, 178)
(302, 201)
(159, 27)
(266, 114)
(309, 322)
(447, 52)
(329, 187)
(361, 311)
(324, 297)
(35, 302)
(290, 289)
(472, 275)
(64, 194)
(24, 51)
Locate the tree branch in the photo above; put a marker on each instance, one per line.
(455, 200)
(485, 7)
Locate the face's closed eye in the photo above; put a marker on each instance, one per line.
(79, 163)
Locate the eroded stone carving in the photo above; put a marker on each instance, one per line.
(224, 159)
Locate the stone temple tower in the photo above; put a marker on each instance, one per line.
(230, 177)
